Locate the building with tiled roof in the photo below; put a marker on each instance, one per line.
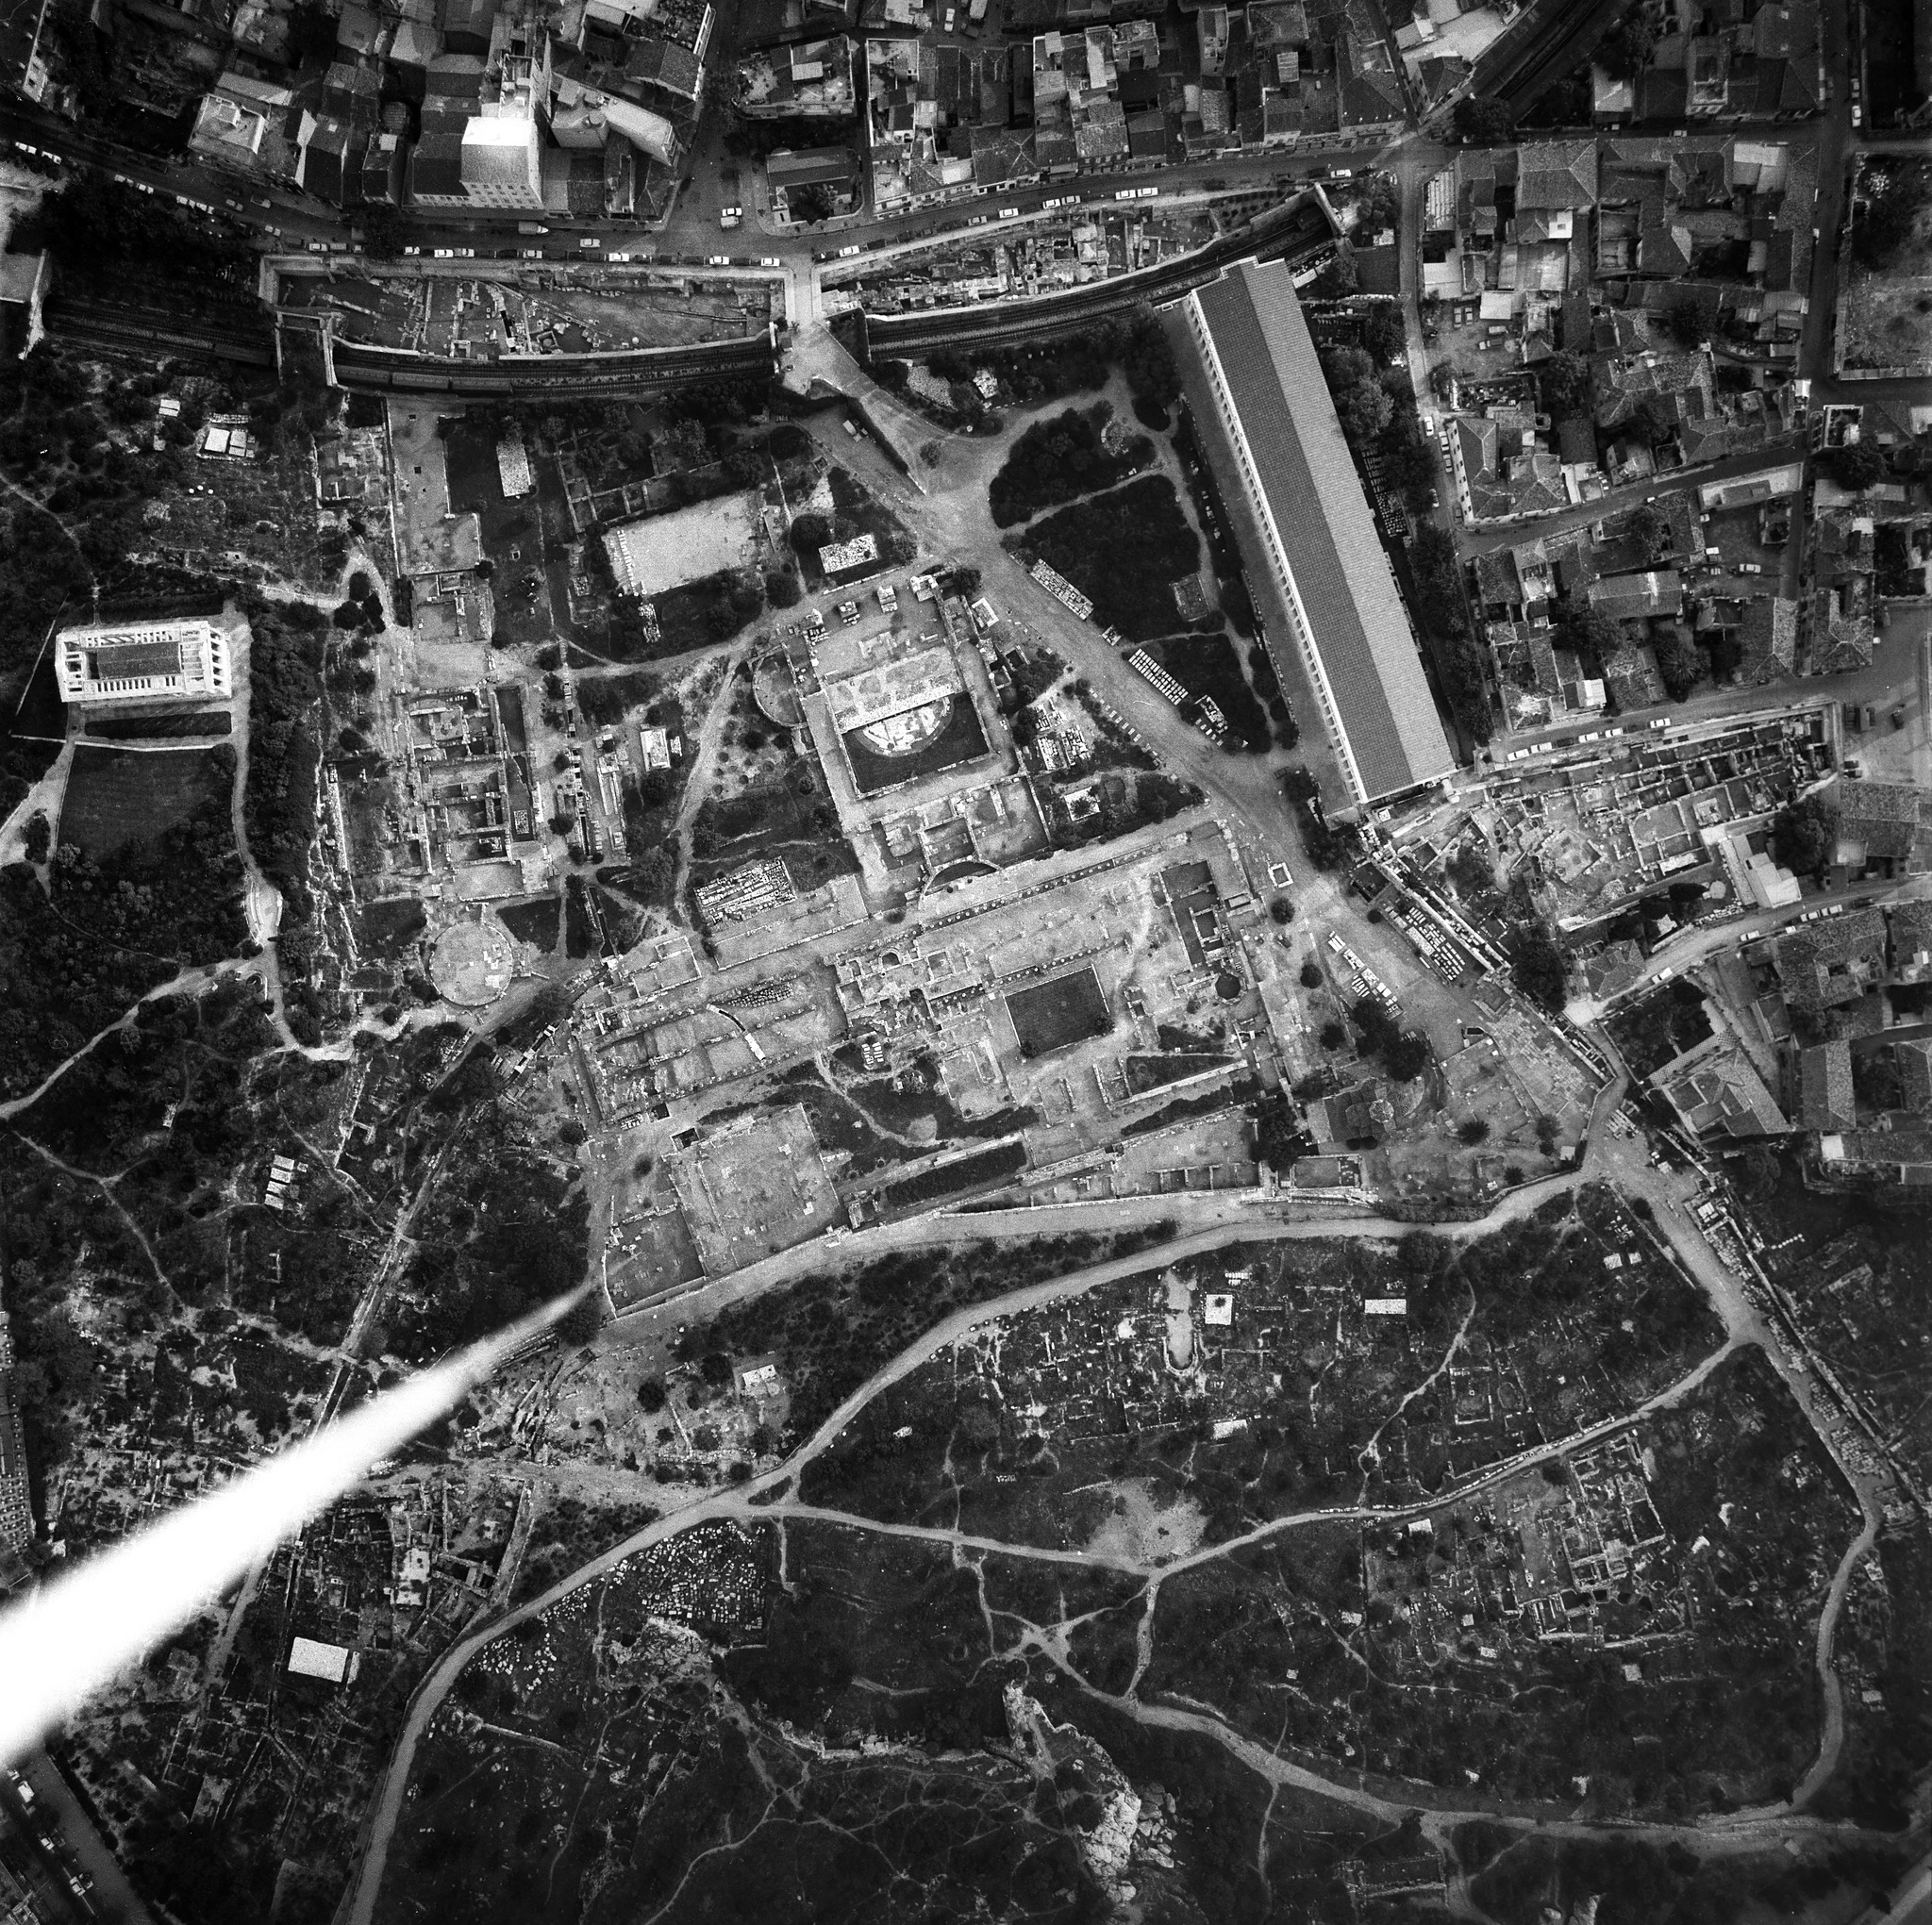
(1843, 634)
(1634, 597)
(1825, 1088)
(1828, 964)
(1613, 969)
(1551, 174)
(1715, 1091)
(1913, 1058)
(1910, 933)
(1371, 89)
(1877, 820)
(1350, 629)
(1768, 634)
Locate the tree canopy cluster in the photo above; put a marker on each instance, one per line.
(1461, 659)
(1124, 549)
(1057, 460)
(1803, 836)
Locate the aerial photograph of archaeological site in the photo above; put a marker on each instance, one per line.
(965, 960)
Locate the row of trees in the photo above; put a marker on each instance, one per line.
(1460, 656)
(1136, 343)
(1377, 410)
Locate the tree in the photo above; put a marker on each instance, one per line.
(1482, 118)
(1363, 411)
(810, 533)
(1858, 465)
(1347, 367)
(651, 1396)
(716, 1369)
(582, 1321)
(382, 234)
(1627, 48)
(1680, 662)
(1591, 634)
(1565, 381)
(1648, 525)
(1407, 1055)
(1338, 280)
(1470, 871)
(1684, 323)
(1383, 334)
(1473, 1130)
(1334, 1035)
(1379, 204)
(781, 588)
(811, 205)
(1277, 1134)
(1895, 194)
(1803, 836)
(1282, 910)
(1537, 966)
(312, 33)
(1311, 974)
(1408, 456)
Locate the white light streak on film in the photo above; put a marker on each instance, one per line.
(78, 1634)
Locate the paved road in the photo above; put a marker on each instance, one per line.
(297, 218)
(1482, 540)
(1703, 940)
(112, 1899)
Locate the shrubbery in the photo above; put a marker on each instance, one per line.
(1460, 657)
(1125, 550)
(1058, 460)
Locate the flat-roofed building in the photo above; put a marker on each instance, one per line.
(501, 163)
(143, 661)
(1319, 548)
(334, 1664)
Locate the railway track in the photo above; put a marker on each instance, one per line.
(358, 366)
(1554, 44)
(159, 335)
(1058, 313)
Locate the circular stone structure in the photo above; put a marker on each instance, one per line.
(775, 691)
(471, 964)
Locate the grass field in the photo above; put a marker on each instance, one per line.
(117, 798)
(1058, 1014)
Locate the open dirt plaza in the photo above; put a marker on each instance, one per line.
(666, 551)
(755, 1189)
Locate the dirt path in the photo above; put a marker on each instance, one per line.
(187, 983)
(44, 798)
(697, 784)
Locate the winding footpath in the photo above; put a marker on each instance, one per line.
(770, 1498)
